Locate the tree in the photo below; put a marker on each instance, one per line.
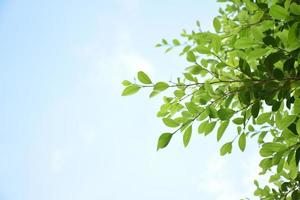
(246, 73)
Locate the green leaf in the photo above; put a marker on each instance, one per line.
(160, 86)
(226, 148)
(297, 156)
(242, 142)
(222, 129)
(263, 118)
(131, 89)
(144, 78)
(278, 12)
(176, 42)
(296, 107)
(126, 83)
(209, 128)
(286, 121)
(217, 24)
(238, 121)
(244, 43)
(164, 140)
(170, 122)
(191, 57)
(298, 126)
(255, 109)
(202, 127)
(295, 9)
(187, 136)
(225, 113)
(294, 36)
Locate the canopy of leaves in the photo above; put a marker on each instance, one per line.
(245, 73)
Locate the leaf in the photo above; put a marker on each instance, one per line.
(297, 156)
(222, 129)
(294, 36)
(217, 24)
(202, 127)
(296, 107)
(209, 128)
(255, 109)
(244, 43)
(191, 57)
(226, 148)
(298, 126)
(131, 89)
(164, 140)
(286, 121)
(242, 142)
(144, 78)
(126, 83)
(295, 9)
(176, 42)
(225, 113)
(263, 118)
(170, 122)
(238, 121)
(187, 136)
(160, 86)
(278, 12)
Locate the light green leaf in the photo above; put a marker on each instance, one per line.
(286, 121)
(296, 109)
(217, 24)
(226, 149)
(164, 140)
(126, 83)
(263, 118)
(242, 142)
(170, 122)
(209, 128)
(222, 129)
(144, 78)
(244, 43)
(295, 8)
(191, 57)
(176, 42)
(278, 12)
(160, 86)
(131, 89)
(187, 136)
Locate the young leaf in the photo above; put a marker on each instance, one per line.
(222, 129)
(242, 142)
(160, 86)
(226, 148)
(278, 12)
(187, 136)
(295, 8)
(217, 24)
(170, 122)
(164, 140)
(131, 89)
(144, 78)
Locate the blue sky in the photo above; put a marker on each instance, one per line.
(65, 131)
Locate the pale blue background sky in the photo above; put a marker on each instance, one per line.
(65, 131)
